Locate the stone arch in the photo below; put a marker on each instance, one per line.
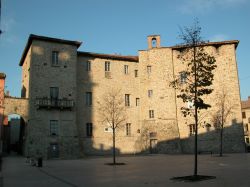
(13, 105)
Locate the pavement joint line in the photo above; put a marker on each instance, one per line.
(57, 178)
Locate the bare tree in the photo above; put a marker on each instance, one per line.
(196, 80)
(219, 118)
(113, 113)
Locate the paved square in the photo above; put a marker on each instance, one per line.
(153, 170)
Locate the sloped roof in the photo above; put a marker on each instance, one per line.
(109, 56)
(45, 38)
(245, 104)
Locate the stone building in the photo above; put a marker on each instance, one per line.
(245, 105)
(61, 88)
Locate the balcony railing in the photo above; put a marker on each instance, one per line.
(54, 103)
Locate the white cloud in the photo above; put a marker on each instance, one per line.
(218, 37)
(202, 6)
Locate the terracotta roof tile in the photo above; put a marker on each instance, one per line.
(245, 104)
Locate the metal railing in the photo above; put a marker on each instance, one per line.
(54, 103)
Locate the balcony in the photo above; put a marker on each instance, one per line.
(62, 104)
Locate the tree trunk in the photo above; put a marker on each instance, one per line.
(221, 141)
(114, 158)
(196, 116)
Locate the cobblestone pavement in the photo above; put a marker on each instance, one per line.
(154, 170)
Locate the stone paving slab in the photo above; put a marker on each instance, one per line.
(155, 170)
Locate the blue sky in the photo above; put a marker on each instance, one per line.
(120, 26)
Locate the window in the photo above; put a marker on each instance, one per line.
(54, 93)
(88, 98)
(127, 102)
(247, 140)
(136, 73)
(88, 66)
(246, 127)
(151, 113)
(149, 69)
(137, 101)
(107, 66)
(243, 114)
(183, 77)
(128, 129)
(126, 69)
(190, 104)
(55, 61)
(150, 93)
(89, 129)
(53, 127)
(191, 129)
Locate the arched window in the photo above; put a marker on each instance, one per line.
(153, 42)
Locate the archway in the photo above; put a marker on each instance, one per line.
(13, 134)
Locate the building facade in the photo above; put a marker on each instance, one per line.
(246, 121)
(62, 87)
